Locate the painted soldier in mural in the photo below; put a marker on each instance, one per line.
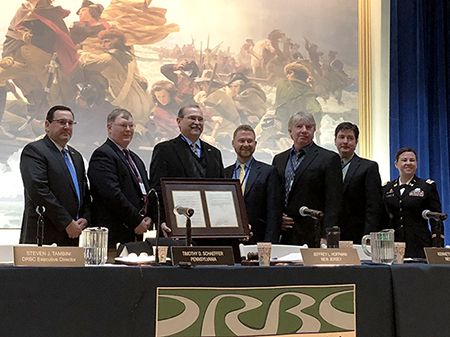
(165, 112)
(127, 88)
(89, 25)
(37, 53)
(182, 74)
(216, 103)
(336, 78)
(294, 94)
(248, 97)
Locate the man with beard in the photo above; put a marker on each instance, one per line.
(185, 156)
(260, 185)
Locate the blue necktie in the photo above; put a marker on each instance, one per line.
(72, 171)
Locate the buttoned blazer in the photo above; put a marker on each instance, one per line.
(170, 160)
(48, 183)
(317, 185)
(117, 196)
(405, 213)
(263, 201)
(363, 206)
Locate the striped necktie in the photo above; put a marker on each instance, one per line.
(241, 178)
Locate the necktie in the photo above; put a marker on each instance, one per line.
(241, 178)
(291, 169)
(130, 162)
(194, 149)
(72, 171)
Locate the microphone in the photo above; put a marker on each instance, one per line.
(428, 215)
(305, 211)
(186, 211)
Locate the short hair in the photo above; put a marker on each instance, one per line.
(403, 150)
(183, 109)
(347, 126)
(113, 33)
(163, 85)
(116, 113)
(53, 109)
(301, 116)
(300, 71)
(243, 127)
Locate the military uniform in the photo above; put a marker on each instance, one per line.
(405, 212)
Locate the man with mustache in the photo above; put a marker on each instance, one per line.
(260, 185)
(185, 156)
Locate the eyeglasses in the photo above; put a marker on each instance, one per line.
(195, 118)
(63, 122)
(126, 125)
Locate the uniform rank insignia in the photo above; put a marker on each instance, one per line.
(390, 193)
(417, 192)
(429, 181)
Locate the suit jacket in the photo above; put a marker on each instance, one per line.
(170, 160)
(48, 183)
(263, 201)
(117, 196)
(317, 185)
(363, 206)
(405, 212)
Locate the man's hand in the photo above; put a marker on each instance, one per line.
(250, 235)
(82, 222)
(143, 226)
(286, 222)
(74, 229)
(166, 230)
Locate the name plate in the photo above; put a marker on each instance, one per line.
(201, 256)
(26, 256)
(330, 257)
(437, 255)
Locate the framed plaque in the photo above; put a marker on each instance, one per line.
(218, 204)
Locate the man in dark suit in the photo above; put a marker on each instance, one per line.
(119, 183)
(261, 187)
(311, 177)
(185, 156)
(54, 178)
(363, 206)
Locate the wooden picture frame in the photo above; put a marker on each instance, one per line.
(219, 208)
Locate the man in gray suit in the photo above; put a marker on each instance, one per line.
(54, 178)
(260, 185)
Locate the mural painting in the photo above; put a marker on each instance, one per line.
(255, 62)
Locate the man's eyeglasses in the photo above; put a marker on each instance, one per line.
(126, 125)
(63, 122)
(194, 118)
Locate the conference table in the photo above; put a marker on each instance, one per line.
(398, 300)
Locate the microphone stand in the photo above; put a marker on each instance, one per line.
(317, 231)
(188, 231)
(438, 235)
(40, 210)
(158, 221)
